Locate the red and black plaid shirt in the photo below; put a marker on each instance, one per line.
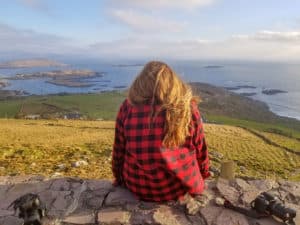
(150, 171)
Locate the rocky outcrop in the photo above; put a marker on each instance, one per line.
(71, 201)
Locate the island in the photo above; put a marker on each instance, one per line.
(11, 94)
(248, 94)
(3, 83)
(127, 65)
(213, 67)
(55, 74)
(68, 78)
(273, 91)
(240, 87)
(28, 63)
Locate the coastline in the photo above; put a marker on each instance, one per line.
(215, 100)
(274, 99)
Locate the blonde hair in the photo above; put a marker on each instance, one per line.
(159, 84)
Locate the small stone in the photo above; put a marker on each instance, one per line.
(61, 167)
(217, 154)
(243, 169)
(113, 216)
(214, 170)
(79, 163)
(56, 174)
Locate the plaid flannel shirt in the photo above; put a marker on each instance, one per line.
(149, 170)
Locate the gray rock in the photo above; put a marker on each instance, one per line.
(166, 215)
(264, 185)
(120, 196)
(113, 216)
(227, 191)
(72, 201)
(10, 220)
(210, 213)
(229, 217)
(79, 219)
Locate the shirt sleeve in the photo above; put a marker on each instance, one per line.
(200, 143)
(118, 153)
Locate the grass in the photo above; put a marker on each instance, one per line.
(41, 146)
(105, 106)
(281, 128)
(259, 158)
(92, 106)
(290, 143)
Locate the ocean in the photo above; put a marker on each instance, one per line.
(252, 78)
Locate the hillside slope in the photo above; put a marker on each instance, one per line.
(50, 146)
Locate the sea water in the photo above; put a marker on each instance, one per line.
(119, 75)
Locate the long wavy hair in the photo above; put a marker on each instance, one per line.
(158, 84)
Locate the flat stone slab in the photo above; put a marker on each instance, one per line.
(71, 201)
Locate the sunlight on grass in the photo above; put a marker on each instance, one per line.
(50, 146)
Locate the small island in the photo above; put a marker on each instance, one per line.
(213, 67)
(68, 78)
(248, 94)
(273, 91)
(69, 83)
(240, 87)
(127, 65)
(55, 74)
(28, 63)
(10, 94)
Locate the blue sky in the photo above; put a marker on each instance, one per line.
(189, 29)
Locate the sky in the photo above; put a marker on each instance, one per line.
(260, 30)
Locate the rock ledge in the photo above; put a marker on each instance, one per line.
(72, 201)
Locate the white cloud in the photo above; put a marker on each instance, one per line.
(158, 4)
(246, 47)
(275, 45)
(272, 36)
(21, 40)
(278, 36)
(146, 23)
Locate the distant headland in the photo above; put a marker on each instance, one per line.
(28, 63)
(68, 78)
(273, 91)
(213, 67)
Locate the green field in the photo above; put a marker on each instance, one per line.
(91, 106)
(261, 148)
(104, 106)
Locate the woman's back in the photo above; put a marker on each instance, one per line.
(148, 169)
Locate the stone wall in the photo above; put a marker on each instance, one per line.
(77, 201)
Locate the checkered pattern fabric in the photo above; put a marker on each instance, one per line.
(148, 169)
